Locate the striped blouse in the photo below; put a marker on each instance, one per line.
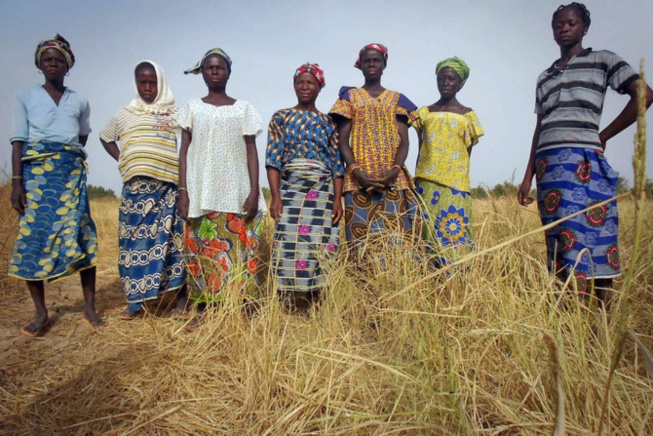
(148, 145)
(570, 99)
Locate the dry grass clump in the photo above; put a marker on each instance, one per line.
(384, 353)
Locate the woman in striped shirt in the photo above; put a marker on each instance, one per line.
(567, 154)
(150, 228)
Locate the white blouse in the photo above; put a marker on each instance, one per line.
(217, 178)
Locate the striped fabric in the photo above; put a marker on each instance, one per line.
(148, 145)
(570, 99)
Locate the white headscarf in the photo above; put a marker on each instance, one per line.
(164, 103)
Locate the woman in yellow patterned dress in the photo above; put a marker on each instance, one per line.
(373, 128)
(447, 132)
(56, 235)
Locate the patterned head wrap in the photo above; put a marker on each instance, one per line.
(378, 47)
(58, 43)
(456, 64)
(197, 69)
(315, 70)
(164, 102)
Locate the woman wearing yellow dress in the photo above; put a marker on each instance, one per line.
(447, 132)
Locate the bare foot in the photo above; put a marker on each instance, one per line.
(93, 318)
(36, 327)
(178, 313)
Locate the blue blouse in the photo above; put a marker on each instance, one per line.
(37, 117)
(295, 133)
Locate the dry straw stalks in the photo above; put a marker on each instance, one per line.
(394, 347)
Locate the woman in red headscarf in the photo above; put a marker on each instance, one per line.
(305, 173)
(373, 127)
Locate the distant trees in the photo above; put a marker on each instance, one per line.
(95, 192)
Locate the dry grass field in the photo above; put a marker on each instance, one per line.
(394, 348)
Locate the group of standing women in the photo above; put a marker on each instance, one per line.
(313, 160)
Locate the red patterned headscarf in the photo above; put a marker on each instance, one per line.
(315, 70)
(58, 43)
(376, 46)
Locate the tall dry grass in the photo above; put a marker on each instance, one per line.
(452, 355)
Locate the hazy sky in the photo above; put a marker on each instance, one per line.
(506, 43)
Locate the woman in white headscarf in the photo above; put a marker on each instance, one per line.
(150, 228)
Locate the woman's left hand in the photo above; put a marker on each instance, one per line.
(388, 177)
(251, 205)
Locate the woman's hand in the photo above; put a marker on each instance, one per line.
(276, 206)
(366, 181)
(388, 177)
(251, 205)
(18, 198)
(183, 203)
(336, 213)
(523, 195)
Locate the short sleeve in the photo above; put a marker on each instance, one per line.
(406, 108)
(251, 122)
(343, 106)
(274, 151)
(85, 119)
(19, 124)
(417, 123)
(184, 118)
(620, 74)
(474, 129)
(111, 132)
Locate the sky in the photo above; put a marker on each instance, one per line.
(506, 43)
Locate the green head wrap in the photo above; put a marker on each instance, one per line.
(456, 64)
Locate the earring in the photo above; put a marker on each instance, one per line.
(67, 73)
(40, 72)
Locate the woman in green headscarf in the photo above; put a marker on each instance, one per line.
(447, 132)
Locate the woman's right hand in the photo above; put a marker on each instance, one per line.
(366, 181)
(183, 203)
(276, 206)
(523, 195)
(18, 197)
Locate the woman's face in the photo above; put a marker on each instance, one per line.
(568, 28)
(215, 71)
(53, 64)
(307, 88)
(449, 82)
(146, 83)
(372, 64)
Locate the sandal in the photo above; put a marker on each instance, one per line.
(35, 332)
(126, 315)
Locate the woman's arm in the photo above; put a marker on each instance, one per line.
(18, 198)
(525, 188)
(276, 205)
(251, 204)
(628, 115)
(111, 148)
(183, 201)
(337, 212)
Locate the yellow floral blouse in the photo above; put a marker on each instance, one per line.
(443, 157)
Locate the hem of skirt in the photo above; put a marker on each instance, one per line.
(157, 296)
(55, 278)
(612, 276)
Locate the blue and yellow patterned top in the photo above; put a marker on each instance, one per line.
(295, 133)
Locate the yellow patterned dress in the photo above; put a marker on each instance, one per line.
(374, 141)
(442, 180)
